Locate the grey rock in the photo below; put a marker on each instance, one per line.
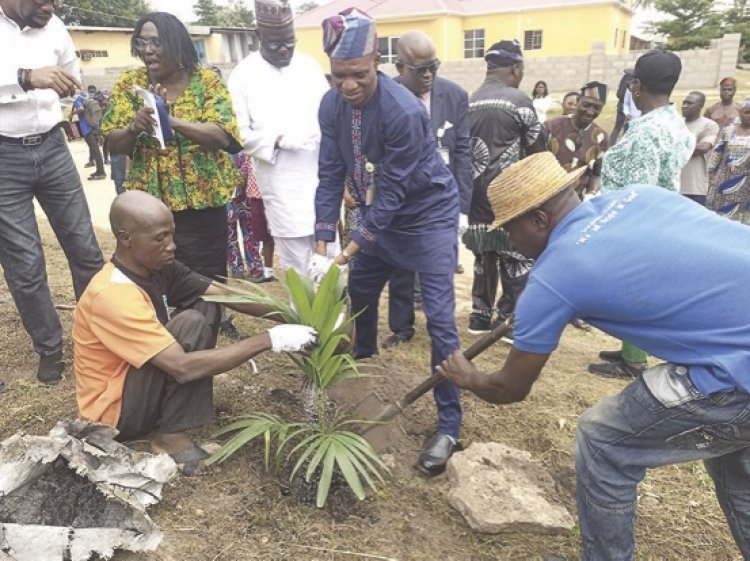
(499, 489)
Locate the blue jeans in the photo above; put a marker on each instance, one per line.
(367, 278)
(117, 171)
(45, 171)
(659, 419)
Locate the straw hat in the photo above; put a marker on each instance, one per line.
(527, 185)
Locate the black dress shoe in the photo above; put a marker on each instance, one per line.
(50, 368)
(395, 340)
(617, 369)
(435, 455)
(611, 356)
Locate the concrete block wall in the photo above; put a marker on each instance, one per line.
(701, 68)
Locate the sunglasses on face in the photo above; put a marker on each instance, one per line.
(153, 42)
(276, 45)
(431, 67)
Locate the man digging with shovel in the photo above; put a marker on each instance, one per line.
(671, 293)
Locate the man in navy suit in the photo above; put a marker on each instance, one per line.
(448, 106)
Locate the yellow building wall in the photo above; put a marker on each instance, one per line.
(115, 43)
(450, 44)
(566, 31)
(310, 42)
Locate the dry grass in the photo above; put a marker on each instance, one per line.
(238, 513)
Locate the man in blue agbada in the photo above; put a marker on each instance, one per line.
(377, 132)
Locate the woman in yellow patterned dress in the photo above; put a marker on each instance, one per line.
(194, 175)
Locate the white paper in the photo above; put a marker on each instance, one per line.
(150, 101)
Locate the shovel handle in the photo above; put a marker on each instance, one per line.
(479, 346)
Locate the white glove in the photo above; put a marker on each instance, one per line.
(292, 338)
(463, 224)
(318, 267)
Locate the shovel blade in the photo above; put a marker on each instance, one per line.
(357, 398)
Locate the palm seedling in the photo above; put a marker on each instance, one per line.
(324, 444)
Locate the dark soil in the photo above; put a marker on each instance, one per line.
(61, 497)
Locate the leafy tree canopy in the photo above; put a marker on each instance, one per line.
(207, 12)
(235, 13)
(103, 13)
(693, 23)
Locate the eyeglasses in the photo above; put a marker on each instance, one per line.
(141, 44)
(431, 67)
(276, 45)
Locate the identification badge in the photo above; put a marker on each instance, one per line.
(445, 153)
(370, 178)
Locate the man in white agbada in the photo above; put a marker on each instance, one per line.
(276, 93)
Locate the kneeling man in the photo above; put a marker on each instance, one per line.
(141, 368)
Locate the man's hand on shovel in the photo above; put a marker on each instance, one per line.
(457, 369)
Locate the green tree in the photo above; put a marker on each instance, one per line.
(207, 12)
(236, 14)
(104, 13)
(737, 20)
(306, 7)
(693, 23)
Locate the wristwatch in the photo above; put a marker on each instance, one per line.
(347, 256)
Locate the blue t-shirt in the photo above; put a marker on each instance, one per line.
(653, 268)
(79, 102)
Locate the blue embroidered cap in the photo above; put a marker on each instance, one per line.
(349, 34)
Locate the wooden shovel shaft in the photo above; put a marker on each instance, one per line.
(473, 351)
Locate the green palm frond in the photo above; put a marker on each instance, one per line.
(271, 427)
(246, 292)
(326, 448)
(302, 294)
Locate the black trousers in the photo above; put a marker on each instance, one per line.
(92, 139)
(153, 401)
(201, 237)
(489, 268)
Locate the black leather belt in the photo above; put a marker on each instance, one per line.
(32, 139)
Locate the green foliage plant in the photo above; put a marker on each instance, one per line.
(327, 443)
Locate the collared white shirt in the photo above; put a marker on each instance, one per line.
(275, 102)
(36, 111)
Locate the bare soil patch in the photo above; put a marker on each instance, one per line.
(238, 512)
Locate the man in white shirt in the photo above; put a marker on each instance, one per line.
(276, 94)
(38, 68)
(694, 176)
